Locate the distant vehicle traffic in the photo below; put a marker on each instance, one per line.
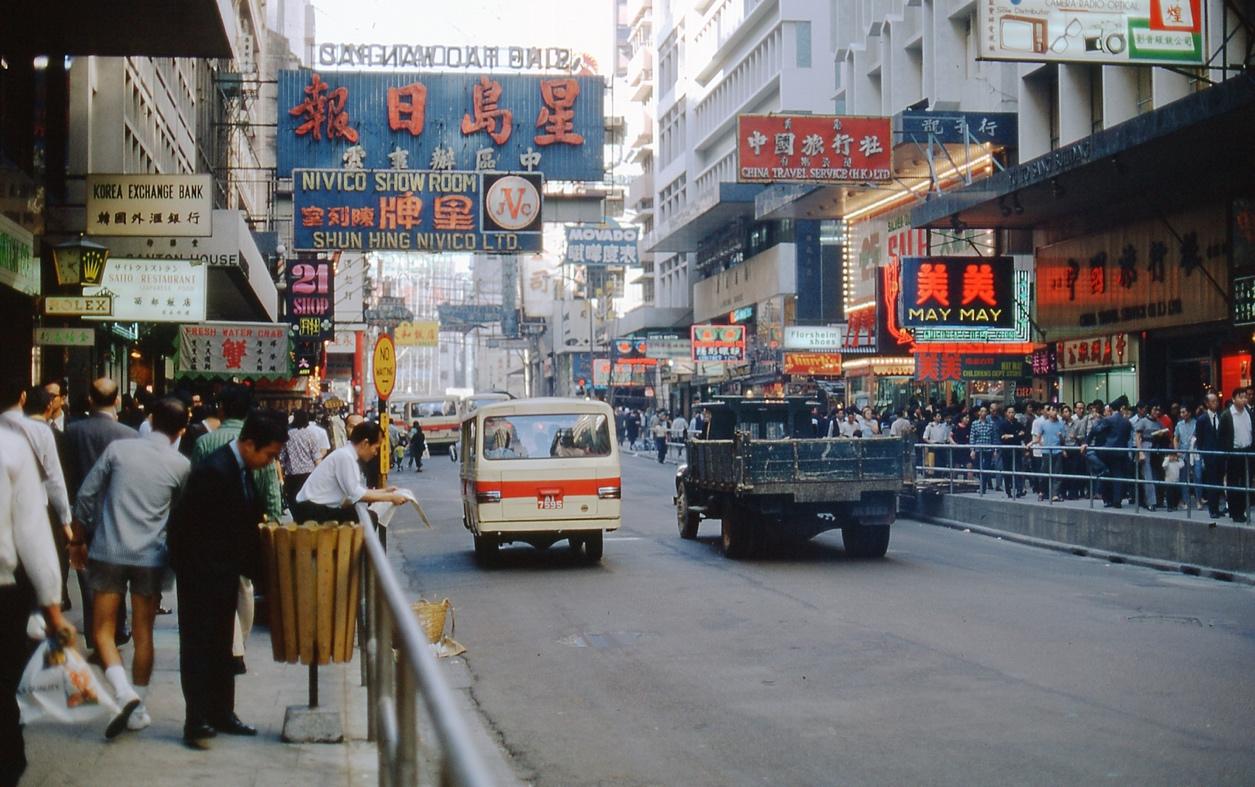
(540, 471)
(437, 415)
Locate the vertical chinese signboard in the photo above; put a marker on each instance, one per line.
(247, 350)
(442, 121)
(310, 309)
(815, 149)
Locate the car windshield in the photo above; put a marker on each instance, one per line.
(557, 435)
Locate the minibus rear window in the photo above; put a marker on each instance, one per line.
(556, 436)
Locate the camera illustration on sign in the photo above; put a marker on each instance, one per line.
(958, 292)
(1126, 32)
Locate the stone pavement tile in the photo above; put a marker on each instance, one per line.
(79, 755)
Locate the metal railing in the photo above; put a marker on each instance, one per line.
(399, 670)
(1105, 472)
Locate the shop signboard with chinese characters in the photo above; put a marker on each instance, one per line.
(154, 290)
(1123, 32)
(591, 245)
(938, 366)
(632, 350)
(420, 333)
(958, 292)
(416, 210)
(310, 299)
(1140, 276)
(234, 349)
(669, 347)
(1243, 300)
(813, 364)
(1097, 352)
(19, 267)
(1045, 361)
(463, 317)
(959, 128)
(718, 343)
(442, 121)
(814, 149)
(150, 205)
(65, 337)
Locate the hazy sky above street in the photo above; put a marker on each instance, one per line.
(582, 25)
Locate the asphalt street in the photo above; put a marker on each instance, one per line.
(958, 658)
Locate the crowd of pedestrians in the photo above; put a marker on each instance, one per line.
(147, 495)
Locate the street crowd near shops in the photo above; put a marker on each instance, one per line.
(138, 493)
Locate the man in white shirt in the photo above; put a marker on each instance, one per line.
(54, 495)
(337, 484)
(25, 541)
(1236, 437)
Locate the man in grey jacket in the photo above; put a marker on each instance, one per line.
(124, 505)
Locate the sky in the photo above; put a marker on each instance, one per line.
(582, 25)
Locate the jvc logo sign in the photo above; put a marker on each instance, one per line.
(512, 203)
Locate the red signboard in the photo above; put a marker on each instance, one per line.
(813, 149)
(814, 364)
(719, 343)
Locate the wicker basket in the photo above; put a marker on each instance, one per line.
(431, 616)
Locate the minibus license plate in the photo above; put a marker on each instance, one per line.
(548, 499)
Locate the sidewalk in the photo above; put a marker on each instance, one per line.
(1192, 543)
(80, 755)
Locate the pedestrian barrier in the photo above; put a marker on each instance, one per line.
(1106, 473)
(400, 672)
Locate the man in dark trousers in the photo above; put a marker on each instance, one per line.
(1235, 438)
(1112, 432)
(213, 541)
(1207, 438)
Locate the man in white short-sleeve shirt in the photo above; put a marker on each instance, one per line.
(331, 491)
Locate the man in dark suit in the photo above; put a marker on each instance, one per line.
(1113, 433)
(85, 440)
(1207, 438)
(213, 541)
(1236, 438)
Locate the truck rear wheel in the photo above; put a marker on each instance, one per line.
(738, 533)
(588, 547)
(687, 520)
(864, 541)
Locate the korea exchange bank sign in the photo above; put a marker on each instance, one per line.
(413, 210)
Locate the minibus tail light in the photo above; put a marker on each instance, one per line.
(488, 496)
(608, 492)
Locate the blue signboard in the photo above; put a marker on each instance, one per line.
(411, 210)
(996, 128)
(442, 121)
(463, 317)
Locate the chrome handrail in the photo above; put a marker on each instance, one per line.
(394, 684)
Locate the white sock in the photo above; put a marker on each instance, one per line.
(142, 691)
(116, 676)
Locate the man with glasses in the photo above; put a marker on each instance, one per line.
(57, 394)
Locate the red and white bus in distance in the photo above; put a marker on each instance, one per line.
(437, 415)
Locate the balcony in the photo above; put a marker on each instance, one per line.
(642, 127)
(636, 9)
(640, 73)
(640, 193)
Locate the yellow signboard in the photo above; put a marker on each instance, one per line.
(385, 366)
(418, 334)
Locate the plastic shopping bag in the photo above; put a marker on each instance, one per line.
(59, 685)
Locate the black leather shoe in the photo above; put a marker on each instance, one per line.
(233, 726)
(196, 736)
(238, 666)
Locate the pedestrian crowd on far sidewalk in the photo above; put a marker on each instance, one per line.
(139, 497)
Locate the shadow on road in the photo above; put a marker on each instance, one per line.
(525, 557)
(801, 552)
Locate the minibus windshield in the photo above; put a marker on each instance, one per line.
(552, 435)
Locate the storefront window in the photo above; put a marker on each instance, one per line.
(1106, 384)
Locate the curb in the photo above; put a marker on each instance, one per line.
(1110, 557)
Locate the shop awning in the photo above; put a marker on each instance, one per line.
(156, 28)
(1195, 148)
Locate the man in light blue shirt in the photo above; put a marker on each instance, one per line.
(1048, 439)
(123, 506)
